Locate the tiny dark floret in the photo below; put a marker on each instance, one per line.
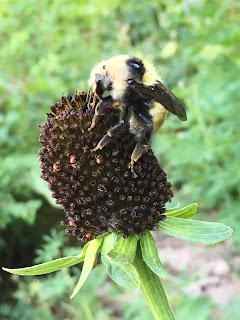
(97, 190)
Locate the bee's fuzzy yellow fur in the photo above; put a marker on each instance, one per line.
(117, 70)
(150, 76)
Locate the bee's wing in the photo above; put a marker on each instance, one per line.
(163, 95)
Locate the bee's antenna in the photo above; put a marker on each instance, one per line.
(88, 93)
(89, 97)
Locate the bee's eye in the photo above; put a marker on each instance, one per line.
(135, 65)
(131, 81)
(136, 68)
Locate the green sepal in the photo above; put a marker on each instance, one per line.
(150, 255)
(194, 230)
(109, 242)
(172, 209)
(122, 273)
(89, 260)
(125, 249)
(186, 213)
(50, 266)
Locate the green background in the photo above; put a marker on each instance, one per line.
(50, 47)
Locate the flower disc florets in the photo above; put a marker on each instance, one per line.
(97, 189)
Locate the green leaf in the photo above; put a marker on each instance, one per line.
(152, 290)
(46, 267)
(89, 260)
(122, 273)
(186, 213)
(150, 255)
(125, 249)
(50, 266)
(194, 230)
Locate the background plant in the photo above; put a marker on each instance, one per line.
(49, 47)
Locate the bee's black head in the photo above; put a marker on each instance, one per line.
(136, 69)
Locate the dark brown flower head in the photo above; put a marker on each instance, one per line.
(96, 189)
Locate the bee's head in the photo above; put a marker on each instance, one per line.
(126, 76)
(117, 73)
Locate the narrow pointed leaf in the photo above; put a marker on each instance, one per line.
(125, 249)
(122, 273)
(50, 266)
(153, 290)
(89, 260)
(46, 267)
(194, 230)
(150, 255)
(186, 213)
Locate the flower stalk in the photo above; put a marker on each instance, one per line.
(152, 289)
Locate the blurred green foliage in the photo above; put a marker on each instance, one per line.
(49, 47)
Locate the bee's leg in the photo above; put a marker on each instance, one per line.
(99, 109)
(143, 140)
(114, 131)
(111, 133)
(137, 152)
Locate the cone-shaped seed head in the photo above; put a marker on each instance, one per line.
(97, 189)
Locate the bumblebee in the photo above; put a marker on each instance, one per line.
(135, 85)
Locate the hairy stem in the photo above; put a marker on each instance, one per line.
(153, 290)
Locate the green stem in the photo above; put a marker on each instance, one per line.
(153, 290)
